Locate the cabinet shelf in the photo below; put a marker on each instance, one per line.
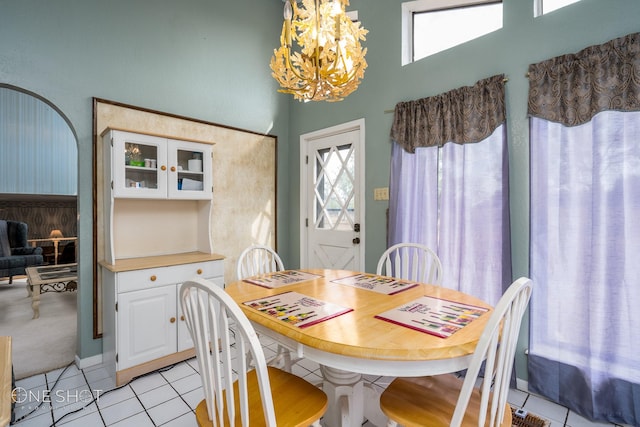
(141, 169)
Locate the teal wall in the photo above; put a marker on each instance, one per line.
(208, 59)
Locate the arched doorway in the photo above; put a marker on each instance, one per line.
(38, 186)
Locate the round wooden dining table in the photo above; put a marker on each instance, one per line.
(357, 342)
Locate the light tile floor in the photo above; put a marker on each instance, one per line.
(65, 397)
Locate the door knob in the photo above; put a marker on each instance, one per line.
(356, 241)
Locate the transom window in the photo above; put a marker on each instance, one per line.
(542, 7)
(431, 26)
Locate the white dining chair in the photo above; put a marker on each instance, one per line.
(260, 259)
(234, 393)
(446, 400)
(411, 261)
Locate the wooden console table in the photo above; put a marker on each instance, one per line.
(56, 244)
(5, 381)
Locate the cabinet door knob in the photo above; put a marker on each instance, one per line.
(163, 167)
(153, 278)
(199, 271)
(182, 318)
(173, 168)
(172, 320)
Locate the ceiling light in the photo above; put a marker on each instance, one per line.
(328, 61)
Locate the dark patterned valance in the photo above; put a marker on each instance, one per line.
(463, 115)
(571, 89)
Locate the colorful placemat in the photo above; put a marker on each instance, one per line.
(297, 309)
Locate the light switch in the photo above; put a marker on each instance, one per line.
(381, 193)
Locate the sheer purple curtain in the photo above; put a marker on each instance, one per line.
(413, 196)
(474, 237)
(449, 185)
(585, 230)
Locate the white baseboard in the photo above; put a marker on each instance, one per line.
(522, 385)
(88, 361)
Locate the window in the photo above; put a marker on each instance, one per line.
(335, 196)
(431, 26)
(542, 7)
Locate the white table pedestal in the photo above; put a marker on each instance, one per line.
(346, 398)
(347, 393)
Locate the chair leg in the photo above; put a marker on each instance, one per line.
(282, 359)
(286, 358)
(10, 279)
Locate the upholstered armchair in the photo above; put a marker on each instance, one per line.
(15, 254)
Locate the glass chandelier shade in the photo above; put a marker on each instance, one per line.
(327, 61)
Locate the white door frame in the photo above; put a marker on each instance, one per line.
(361, 191)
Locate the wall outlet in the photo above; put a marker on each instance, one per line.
(381, 193)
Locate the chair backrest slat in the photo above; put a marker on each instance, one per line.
(258, 259)
(411, 261)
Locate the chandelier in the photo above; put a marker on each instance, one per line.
(328, 62)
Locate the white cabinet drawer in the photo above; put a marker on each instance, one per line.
(141, 279)
(207, 269)
(213, 270)
(153, 277)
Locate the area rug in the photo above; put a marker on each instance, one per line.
(530, 420)
(43, 344)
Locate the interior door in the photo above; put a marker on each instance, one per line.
(332, 198)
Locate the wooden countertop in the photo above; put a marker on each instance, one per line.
(130, 264)
(5, 381)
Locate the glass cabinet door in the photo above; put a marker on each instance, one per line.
(139, 165)
(189, 170)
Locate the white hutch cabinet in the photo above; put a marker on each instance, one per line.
(147, 166)
(157, 197)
